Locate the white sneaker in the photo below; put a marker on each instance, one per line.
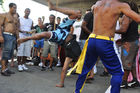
(20, 69)
(95, 69)
(40, 64)
(24, 67)
(69, 70)
(59, 63)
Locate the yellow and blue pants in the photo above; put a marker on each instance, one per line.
(101, 46)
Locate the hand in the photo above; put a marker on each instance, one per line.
(32, 31)
(28, 32)
(126, 45)
(1, 39)
(22, 31)
(50, 5)
(34, 42)
(19, 41)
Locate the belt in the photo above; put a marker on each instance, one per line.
(8, 33)
(101, 37)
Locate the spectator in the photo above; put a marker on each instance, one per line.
(38, 44)
(58, 20)
(129, 31)
(12, 60)
(59, 47)
(87, 27)
(24, 50)
(49, 46)
(8, 36)
(76, 28)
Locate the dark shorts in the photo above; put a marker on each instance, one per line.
(8, 47)
(72, 49)
(39, 43)
(129, 52)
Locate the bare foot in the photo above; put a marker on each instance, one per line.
(51, 6)
(60, 85)
(90, 78)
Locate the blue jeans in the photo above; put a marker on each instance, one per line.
(9, 46)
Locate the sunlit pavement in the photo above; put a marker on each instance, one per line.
(36, 81)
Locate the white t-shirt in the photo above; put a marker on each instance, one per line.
(117, 36)
(77, 29)
(25, 25)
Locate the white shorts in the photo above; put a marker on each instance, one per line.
(24, 49)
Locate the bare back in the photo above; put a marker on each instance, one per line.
(106, 14)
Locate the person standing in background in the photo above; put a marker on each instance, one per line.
(24, 50)
(49, 47)
(9, 32)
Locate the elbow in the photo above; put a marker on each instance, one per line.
(123, 31)
(138, 20)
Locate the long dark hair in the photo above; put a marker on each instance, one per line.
(134, 6)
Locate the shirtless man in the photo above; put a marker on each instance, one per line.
(8, 35)
(100, 42)
(62, 37)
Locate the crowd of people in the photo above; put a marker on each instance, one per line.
(81, 42)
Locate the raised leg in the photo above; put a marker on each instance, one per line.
(71, 13)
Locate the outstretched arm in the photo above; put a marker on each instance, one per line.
(130, 13)
(71, 13)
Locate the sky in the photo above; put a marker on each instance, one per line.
(37, 9)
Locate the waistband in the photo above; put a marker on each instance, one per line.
(8, 33)
(101, 37)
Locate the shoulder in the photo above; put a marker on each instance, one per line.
(88, 16)
(30, 19)
(36, 26)
(21, 18)
(123, 6)
(2, 15)
(56, 25)
(46, 24)
(96, 4)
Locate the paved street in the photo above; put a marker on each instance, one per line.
(36, 81)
